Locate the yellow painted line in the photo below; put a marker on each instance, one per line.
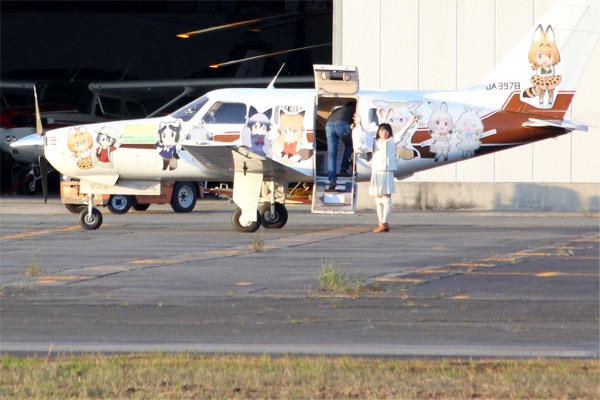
(61, 278)
(244, 284)
(398, 280)
(539, 274)
(42, 232)
(532, 254)
(461, 297)
(469, 265)
(488, 272)
(224, 252)
(498, 259)
(108, 268)
(434, 271)
(153, 261)
(587, 240)
(548, 274)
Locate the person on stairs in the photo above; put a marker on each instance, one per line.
(338, 128)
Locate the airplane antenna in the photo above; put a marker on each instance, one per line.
(272, 84)
(126, 71)
(76, 73)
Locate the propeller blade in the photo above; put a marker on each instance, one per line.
(44, 168)
(38, 119)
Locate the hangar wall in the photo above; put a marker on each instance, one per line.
(449, 45)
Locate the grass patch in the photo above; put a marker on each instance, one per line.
(331, 278)
(564, 251)
(177, 376)
(34, 269)
(335, 280)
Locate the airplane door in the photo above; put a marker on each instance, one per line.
(336, 87)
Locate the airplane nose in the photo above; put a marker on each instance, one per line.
(31, 146)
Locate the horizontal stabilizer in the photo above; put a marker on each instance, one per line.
(565, 124)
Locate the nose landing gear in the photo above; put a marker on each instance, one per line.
(90, 218)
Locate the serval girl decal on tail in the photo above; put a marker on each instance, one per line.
(543, 56)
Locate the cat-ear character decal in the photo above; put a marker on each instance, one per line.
(543, 56)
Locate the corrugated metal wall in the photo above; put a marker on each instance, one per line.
(451, 44)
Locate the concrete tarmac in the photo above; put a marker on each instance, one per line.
(439, 284)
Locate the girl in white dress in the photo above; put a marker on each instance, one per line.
(383, 166)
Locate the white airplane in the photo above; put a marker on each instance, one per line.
(262, 139)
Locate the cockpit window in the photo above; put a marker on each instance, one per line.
(188, 111)
(226, 113)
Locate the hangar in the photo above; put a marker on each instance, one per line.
(451, 44)
(429, 44)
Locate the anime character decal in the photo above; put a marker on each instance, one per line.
(469, 129)
(255, 134)
(199, 133)
(398, 114)
(108, 140)
(291, 146)
(80, 142)
(543, 56)
(447, 136)
(440, 126)
(169, 135)
(443, 134)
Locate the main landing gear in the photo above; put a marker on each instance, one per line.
(270, 216)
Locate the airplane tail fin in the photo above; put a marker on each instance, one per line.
(541, 74)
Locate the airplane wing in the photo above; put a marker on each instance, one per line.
(223, 157)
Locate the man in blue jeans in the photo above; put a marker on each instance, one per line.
(338, 127)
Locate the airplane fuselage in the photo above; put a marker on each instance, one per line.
(156, 148)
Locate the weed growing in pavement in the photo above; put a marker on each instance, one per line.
(333, 279)
(564, 251)
(33, 269)
(258, 241)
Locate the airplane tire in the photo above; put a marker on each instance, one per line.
(92, 222)
(273, 220)
(75, 208)
(184, 197)
(30, 187)
(119, 203)
(251, 227)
